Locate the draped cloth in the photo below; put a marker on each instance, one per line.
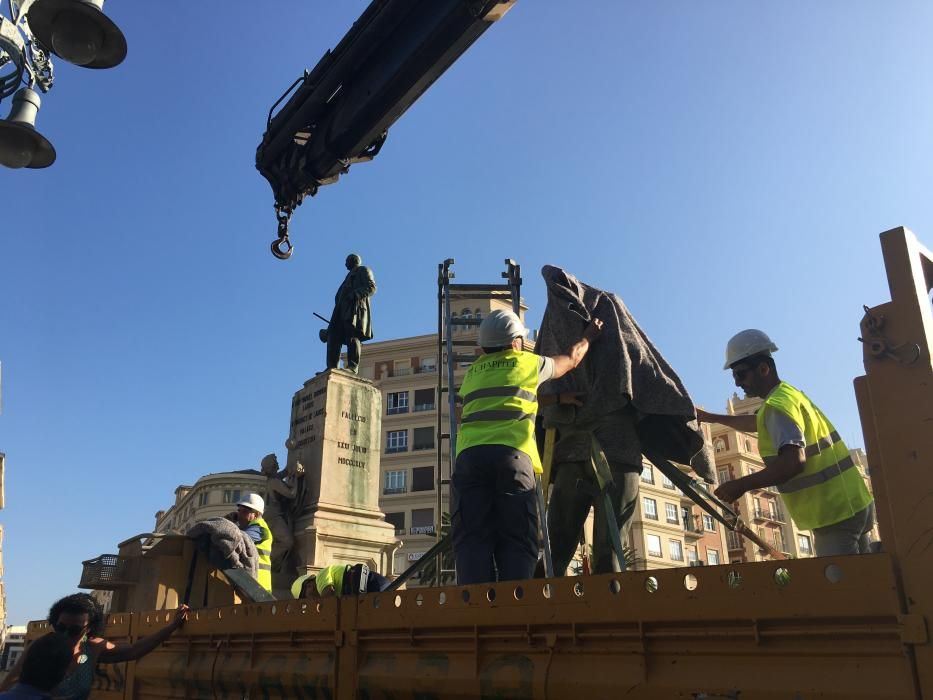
(622, 368)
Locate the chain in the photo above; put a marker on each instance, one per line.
(282, 215)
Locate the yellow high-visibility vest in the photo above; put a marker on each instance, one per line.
(500, 403)
(264, 550)
(830, 488)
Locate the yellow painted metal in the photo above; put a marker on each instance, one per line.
(828, 628)
(838, 628)
(896, 405)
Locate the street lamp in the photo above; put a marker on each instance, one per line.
(78, 31)
(21, 146)
(75, 30)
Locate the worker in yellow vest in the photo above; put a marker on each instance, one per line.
(804, 456)
(494, 521)
(339, 580)
(249, 517)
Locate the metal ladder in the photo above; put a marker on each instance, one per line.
(448, 359)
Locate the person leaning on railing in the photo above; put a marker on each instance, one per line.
(78, 617)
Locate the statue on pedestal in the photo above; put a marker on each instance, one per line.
(279, 516)
(351, 321)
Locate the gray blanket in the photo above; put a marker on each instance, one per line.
(226, 545)
(622, 370)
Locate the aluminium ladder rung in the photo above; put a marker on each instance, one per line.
(501, 296)
(479, 287)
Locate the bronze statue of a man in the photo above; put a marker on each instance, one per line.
(351, 322)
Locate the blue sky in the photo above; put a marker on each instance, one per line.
(719, 165)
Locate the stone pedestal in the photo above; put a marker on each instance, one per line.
(336, 434)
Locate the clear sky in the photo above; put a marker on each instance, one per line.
(720, 165)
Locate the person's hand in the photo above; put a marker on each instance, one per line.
(729, 492)
(180, 616)
(570, 398)
(594, 328)
(703, 416)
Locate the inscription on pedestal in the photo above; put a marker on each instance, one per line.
(335, 432)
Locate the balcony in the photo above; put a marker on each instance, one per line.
(426, 369)
(422, 530)
(423, 407)
(399, 531)
(108, 572)
(393, 491)
(692, 527)
(393, 449)
(769, 514)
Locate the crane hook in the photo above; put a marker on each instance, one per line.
(282, 215)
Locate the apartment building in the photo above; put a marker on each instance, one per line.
(670, 530)
(211, 496)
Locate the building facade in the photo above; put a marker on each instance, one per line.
(14, 641)
(670, 530)
(211, 496)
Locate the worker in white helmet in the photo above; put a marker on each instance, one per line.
(805, 459)
(494, 521)
(249, 512)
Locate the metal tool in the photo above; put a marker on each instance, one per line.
(700, 495)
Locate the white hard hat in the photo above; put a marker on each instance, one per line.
(253, 501)
(747, 343)
(500, 328)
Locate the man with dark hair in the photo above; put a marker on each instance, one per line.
(804, 456)
(45, 663)
(352, 320)
(78, 618)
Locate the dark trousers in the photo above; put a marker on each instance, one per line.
(569, 505)
(338, 335)
(494, 525)
(375, 583)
